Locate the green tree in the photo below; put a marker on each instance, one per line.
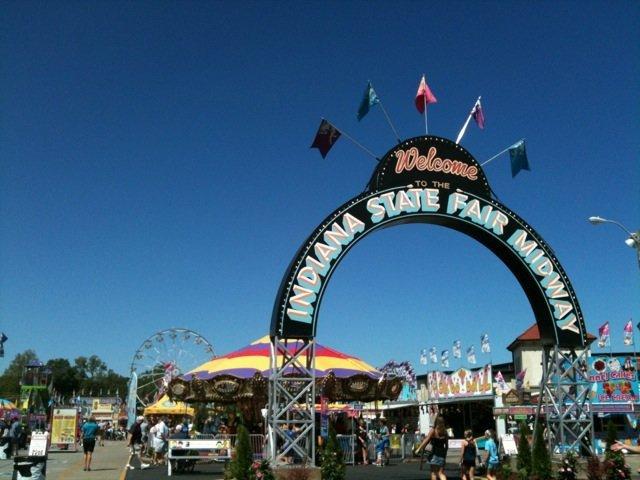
(524, 452)
(540, 458)
(10, 379)
(240, 467)
(64, 377)
(332, 467)
(90, 367)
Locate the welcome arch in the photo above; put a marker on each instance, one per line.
(426, 179)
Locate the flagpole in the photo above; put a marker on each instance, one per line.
(354, 141)
(389, 121)
(466, 123)
(426, 124)
(498, 154)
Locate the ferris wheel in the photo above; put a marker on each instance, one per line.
(165, 355)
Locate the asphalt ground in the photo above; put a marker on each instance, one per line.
(109, 461)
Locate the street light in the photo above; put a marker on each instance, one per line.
(634, 237)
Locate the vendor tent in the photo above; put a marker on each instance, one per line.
(165, 406)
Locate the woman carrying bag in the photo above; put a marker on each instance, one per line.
(439, 441)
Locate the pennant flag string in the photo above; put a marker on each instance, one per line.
(478, 116)
(370, 99)
(328, 134)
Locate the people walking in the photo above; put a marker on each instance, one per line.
(439, 440)
(135, 444)
(88, 432)
(15, 432)
(363, 438)
(493, 459)
(160, 434)
(468, 456)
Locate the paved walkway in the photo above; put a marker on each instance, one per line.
(107, 464)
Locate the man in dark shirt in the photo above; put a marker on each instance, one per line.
(135, 444)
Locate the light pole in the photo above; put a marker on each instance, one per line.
(634, 237)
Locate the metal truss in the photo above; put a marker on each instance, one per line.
(292, 393)
(567, 402)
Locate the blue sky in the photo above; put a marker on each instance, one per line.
(155, 168)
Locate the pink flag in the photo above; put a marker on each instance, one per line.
(478, 114)
(424, 96)
(628, 333)
(603, 333)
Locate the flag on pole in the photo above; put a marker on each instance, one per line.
(423, 356)
(433, 355)
(424, 95)
(520, 379)
(478, 114)
(603, 334)
(471, 354)
(457, 349)
(3, 339)
(484, 343)
(368, 100)
(502, 385)
(444, 358)
(326, 136)
(518, 155)
(628, 333)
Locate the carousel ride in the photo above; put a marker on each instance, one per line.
(241, 378)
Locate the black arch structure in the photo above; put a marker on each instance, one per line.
(430, 180)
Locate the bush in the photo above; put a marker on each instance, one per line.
(240, 466)
(614, 465)
(569, 467)
(524, 452)
(594, 468)
(333, 467)
(540, 458)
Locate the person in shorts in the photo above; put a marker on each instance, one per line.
(439, 440)
(493, 459)
(135, 444)
(468, 456)
(89, 431)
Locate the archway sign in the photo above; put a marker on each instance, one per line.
(430, 179)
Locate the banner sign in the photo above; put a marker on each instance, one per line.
(614, 379)
(64, 424)
(461, 383)
(431, 180)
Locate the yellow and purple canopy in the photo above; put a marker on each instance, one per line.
(255, 358)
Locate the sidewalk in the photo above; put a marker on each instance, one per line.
(107, 464)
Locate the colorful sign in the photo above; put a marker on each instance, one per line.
(614, 379)
(461, 383)
(64, 424)
(431, 180)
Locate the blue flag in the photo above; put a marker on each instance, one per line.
(518, 154)
(368, 100)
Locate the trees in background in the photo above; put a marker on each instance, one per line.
(86, 376)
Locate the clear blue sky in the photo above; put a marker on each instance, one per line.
(155, 168)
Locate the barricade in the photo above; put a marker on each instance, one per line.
(347, 445)
(255, 440)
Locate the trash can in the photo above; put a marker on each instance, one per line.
(5, 448)
(29, 468)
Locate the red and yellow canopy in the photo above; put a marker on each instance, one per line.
(255, 358)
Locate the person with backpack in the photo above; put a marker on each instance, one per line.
(135, 444)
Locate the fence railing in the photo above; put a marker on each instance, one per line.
(256, 440)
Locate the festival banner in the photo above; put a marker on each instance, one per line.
(461, 383)
(433, 355)
(131, 400)
(457, 349)
(423, 356)
(471, 354)
(628, 333)
(484, 343)
(64, 423)
(603, 336)
(614, 378)
(444, 358)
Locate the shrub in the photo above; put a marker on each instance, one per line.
(333, 467)
(240, 466)
(540, 458)
(524, 452)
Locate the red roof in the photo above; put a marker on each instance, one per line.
(532, 334)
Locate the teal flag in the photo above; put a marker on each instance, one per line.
(368, 100)
(518, 154)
